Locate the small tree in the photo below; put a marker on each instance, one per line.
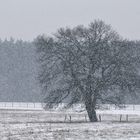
(89, 65)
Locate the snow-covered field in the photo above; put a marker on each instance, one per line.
(56, 125)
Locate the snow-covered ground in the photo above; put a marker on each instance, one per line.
(56, 125)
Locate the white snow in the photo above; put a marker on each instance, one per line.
(55, 124)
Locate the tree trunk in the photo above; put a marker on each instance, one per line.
(90, 107)
(92, 115)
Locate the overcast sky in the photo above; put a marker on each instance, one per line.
(26, 19)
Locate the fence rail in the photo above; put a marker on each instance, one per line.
(39, 106)
(21, 105)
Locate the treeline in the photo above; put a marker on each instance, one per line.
(18, 72)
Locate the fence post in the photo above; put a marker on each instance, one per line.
(120, 118)
(127, 118)
(70, 118)
(100, 118)
(86, 118)
(65, 118)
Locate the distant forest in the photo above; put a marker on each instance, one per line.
(18, 72)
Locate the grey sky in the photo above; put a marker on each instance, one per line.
(28, 18)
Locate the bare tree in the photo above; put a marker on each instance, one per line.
(89, 65)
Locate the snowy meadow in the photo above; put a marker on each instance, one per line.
(70, 124)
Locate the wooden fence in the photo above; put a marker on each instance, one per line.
(20, 105)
